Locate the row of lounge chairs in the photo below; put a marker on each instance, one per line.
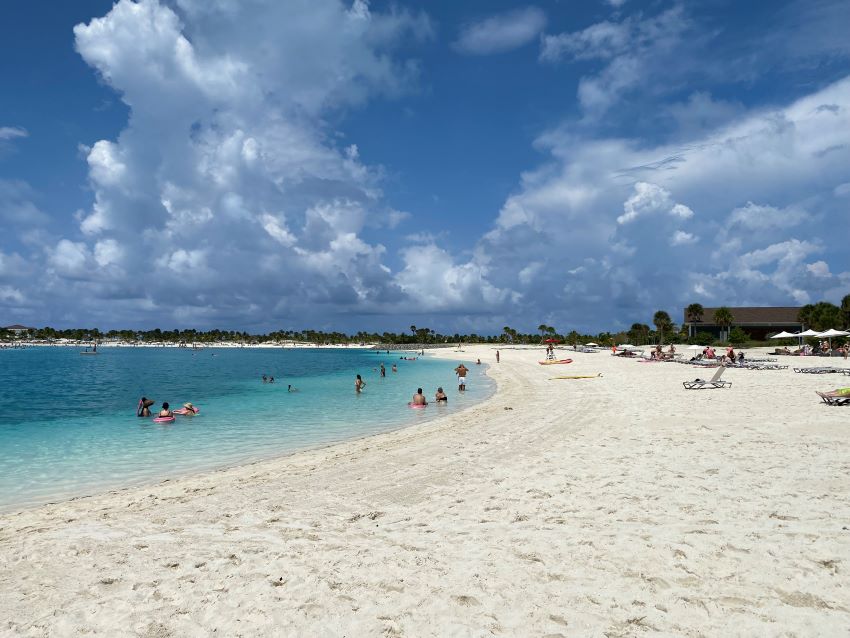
(823, 370)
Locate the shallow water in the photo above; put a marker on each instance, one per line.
(68, 424)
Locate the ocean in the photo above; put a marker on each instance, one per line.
(68, 424)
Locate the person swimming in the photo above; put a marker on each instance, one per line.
(359, 384)
(289, 388)
(441, 396)
(166, 411)
(419, 398)
(144, 407)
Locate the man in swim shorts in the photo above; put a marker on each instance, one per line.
(461, 371)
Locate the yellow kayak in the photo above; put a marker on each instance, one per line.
(578, 376)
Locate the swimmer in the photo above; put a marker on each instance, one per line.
(383, 370)
(289, 388)
(419, 398)
(265, 379)
(144, 408)
(478, 363)
(395, 368)
(271, 379)
(359, 384)
(165, 412)
(441, 396)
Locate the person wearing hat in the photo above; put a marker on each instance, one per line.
(188, 409)
(144, 407)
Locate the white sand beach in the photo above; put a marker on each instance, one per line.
(621, 505)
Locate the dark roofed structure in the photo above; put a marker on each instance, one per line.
(758, 322)
(18, 328)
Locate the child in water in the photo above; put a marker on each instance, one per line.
(165, 412)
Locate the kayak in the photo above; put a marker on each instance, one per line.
(552, 362)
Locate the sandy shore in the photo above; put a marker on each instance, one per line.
(621, 505)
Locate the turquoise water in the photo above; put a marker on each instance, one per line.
(68, 423)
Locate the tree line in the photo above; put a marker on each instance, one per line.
(819, 316)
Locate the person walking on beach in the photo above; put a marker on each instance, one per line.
(461, 371)
(419, 398)
(497, 356)
(359, 384)
(383, 370)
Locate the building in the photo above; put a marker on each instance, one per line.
(759, 323)
(17, 329)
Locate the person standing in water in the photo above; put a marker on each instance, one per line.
(359, 384)
(144, 408)
(461, 371)
(383, 370)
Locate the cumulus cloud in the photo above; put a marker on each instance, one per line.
(500, 33)
(618, 212)
(227, 189)
(648, 199)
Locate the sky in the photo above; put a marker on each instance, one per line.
(350, 165)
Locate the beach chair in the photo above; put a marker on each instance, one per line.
(713, 382)
(831, 398)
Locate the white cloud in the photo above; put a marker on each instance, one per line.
(650, 198)
(12, 132)
(631, 49)
(754, 217)
(819, 269)
(682, 238)
(609, 205)
(503, 32)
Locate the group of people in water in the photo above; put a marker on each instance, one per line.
(144, 409)
(419, 398)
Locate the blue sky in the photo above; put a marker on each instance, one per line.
(465, 166)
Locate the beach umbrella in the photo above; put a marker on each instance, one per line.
(808, 333)
(832, 332)
(591, 344)
(551, 340)
(783, 335)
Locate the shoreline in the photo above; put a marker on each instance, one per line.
(616, 504)
(423, 419)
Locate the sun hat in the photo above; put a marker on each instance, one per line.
(188, 406)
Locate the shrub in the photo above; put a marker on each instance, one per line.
(738, 337)
(701, 338)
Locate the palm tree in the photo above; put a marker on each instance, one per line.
(694, 313)
(662, 323)
(723, 318)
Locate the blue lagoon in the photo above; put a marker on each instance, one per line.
(68, 425)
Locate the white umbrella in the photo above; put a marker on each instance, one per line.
(783, 335)
(832, 332)
(591, 344)
(808, 333)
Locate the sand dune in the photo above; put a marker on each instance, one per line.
(621, 505)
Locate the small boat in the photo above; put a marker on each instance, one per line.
(552, 362)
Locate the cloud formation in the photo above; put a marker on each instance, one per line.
(502, 32)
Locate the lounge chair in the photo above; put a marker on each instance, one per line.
(819, 370)
(834, 398)
(713, 382)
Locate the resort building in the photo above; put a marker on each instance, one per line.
(759, 323)
(17, 329)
